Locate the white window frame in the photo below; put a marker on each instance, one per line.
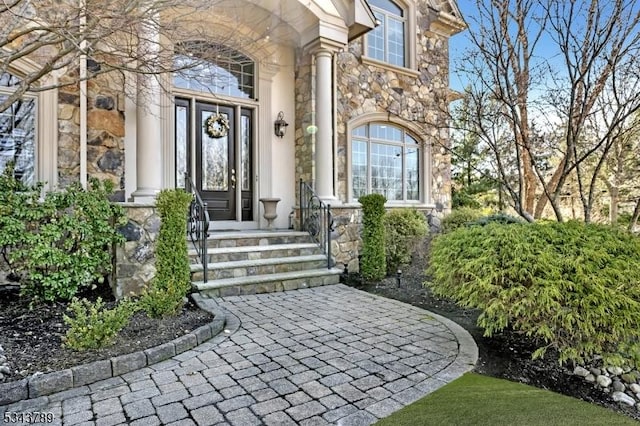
(424, 160)
(45, 122)
(410, 35)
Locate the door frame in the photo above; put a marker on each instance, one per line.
(228, 196)
(193, 98)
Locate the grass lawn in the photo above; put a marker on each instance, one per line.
(474, 399)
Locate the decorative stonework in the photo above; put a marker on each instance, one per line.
(105, 131)
(304, 149)
(135, 260)
(419, 97)
(346, 244)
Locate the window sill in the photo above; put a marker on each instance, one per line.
(381, 64)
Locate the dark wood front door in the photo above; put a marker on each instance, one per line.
(216, 176)
(222, 170)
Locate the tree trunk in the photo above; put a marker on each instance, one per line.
(613, 206)
(634, 218)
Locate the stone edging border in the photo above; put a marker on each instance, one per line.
(46, 384)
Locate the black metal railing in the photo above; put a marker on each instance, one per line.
(316, 219)
(198, 224)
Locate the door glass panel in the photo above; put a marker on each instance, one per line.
(181, 144)
(215, 160)
(245, 164)
(17, 139)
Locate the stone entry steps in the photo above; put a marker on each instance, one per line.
(252, 262)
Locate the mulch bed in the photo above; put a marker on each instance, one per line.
(32, 337)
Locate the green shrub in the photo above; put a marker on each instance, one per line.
(460, 217)
(373, 262)
(497, 218)
(570, 286)
(92, 325)
(61, 243)
(172, 281)
(404, 229)
(162, 302)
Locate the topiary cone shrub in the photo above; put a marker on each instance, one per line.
(373, 264)
(571, 287)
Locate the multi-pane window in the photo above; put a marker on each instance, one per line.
(387, 42)
(18, 132)
(385, 160)
(214, 68)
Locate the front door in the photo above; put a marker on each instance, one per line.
(215, 175)
(221, 168)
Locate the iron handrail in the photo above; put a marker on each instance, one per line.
(316, 218)
(198, 224)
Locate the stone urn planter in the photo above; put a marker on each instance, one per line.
(270, 206)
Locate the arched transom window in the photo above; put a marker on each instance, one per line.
(387, 42)
(214, 68)
(385, 159)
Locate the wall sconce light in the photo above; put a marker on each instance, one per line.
(280, 126)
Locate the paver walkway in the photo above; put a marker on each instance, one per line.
(316, 356)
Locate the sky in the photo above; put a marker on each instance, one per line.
(459, 44)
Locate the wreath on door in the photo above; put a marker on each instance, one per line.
(216, 125)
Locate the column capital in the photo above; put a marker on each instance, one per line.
(323, 46)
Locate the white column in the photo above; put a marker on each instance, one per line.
(324, 121)
(148, 122)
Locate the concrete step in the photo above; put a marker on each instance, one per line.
(242, 268)
(256, 238)
(268, 283)
(231, 254)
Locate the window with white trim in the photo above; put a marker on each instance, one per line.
(385, 159)
(387, 42)
(214, 68)
(18, 132)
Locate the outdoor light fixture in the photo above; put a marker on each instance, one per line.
(280, 126)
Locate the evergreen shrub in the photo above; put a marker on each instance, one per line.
(172, 282)
(460, 217)
(373, 262)
(571, 287)
(404, 229)
(62, 242)
(92, 325)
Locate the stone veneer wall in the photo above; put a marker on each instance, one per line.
(105, 131)
(419, 96)
(346, 241)
(135, 260)
(304, 148)
(423, 100)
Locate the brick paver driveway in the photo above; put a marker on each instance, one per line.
(326, 355)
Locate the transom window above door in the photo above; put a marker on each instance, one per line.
(214, 68)
(385, 159)
(387, 42)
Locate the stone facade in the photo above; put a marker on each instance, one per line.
(305, 141)
(105, 131)
(346, 244)
(418, 97)
(135, 260)
(409, 97)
